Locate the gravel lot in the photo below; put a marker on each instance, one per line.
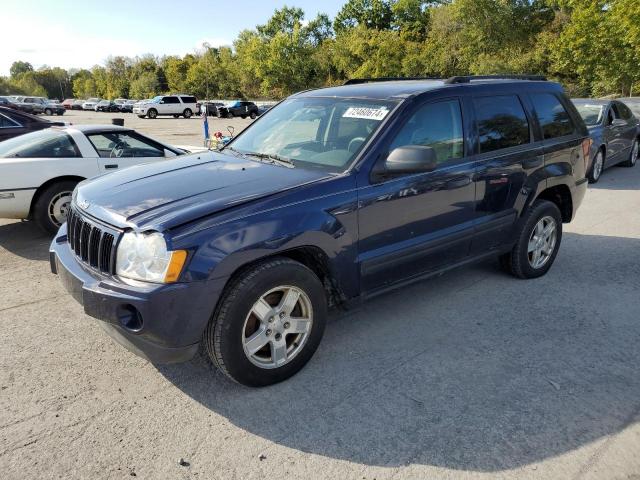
(473, 374)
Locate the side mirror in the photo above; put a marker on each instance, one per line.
(618, 122)
(411, 159)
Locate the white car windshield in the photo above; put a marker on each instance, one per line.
(313, 132)
(47, 143)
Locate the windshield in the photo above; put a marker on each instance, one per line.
(156, 99)
(44, 143)
(323, 133)
(591, 114)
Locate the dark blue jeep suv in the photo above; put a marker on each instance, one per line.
(333, 196)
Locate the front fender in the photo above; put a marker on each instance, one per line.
(327, 223)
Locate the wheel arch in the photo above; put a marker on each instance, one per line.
(561, 196)
(47, 184)
(312, 257)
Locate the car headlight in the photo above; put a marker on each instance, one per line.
(144, 256)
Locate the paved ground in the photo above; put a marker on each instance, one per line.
(470, 375)
(168, 129)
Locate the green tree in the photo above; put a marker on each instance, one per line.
(145, 86)
(374, 14)
(19, 67)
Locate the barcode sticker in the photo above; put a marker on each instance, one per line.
(366, 113)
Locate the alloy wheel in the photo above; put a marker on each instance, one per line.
(277, 327)
(598, 163)
(542, 242)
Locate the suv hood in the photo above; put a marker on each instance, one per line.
(173, 192)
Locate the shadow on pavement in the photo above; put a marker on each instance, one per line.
(619, 178)
(25, 239)
(473, 370)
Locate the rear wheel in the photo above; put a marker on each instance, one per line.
(176, 116)
(268, 324)
(152, 113)
(51, 207)
(596, 167)
(187, 113)
(538, 241)
(633, 157)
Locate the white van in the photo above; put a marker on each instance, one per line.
(176, 105)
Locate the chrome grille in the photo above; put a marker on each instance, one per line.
(91, 243)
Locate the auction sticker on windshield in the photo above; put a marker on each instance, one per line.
(366, 113)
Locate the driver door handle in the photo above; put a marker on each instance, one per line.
(111, 166)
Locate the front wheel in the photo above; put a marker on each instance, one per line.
(253, 115)
(597, 167)
(268, 324)
(152, 113)
(538, 241)
(633, 157)
(52, 206)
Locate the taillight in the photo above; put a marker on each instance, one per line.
(586, 152)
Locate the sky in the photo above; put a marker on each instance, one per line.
(83, 33)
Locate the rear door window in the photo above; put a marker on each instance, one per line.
(553, 117)
(502, 122)
(48, 143)
(188, 99)
(171, 100)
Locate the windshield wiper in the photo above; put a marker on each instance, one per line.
(273, 159)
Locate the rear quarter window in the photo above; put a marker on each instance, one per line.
(553, 117)
(46, 143)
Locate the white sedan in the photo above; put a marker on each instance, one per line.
(39, 170)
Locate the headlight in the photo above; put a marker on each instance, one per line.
(144, 256)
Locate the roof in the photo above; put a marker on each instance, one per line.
(100, 128)
(397, 89)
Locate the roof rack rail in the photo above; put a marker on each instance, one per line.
(359, 81)
(469, 78)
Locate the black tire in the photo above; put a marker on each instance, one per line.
(43, 203)
(176, 116)
(517, 261)
(253, 115)
(223, 336)
(633, 155)
(594, 172)
(243, 117)
(187, 113)
(152, 113)
(229, 115)
(48, 111)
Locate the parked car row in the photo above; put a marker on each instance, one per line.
(33, 105)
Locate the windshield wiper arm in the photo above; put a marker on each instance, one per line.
(274, 159)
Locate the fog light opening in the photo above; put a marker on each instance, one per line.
(130, 318)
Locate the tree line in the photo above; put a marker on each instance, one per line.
(591, 46)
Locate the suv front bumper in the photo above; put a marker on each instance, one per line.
(171, 317)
